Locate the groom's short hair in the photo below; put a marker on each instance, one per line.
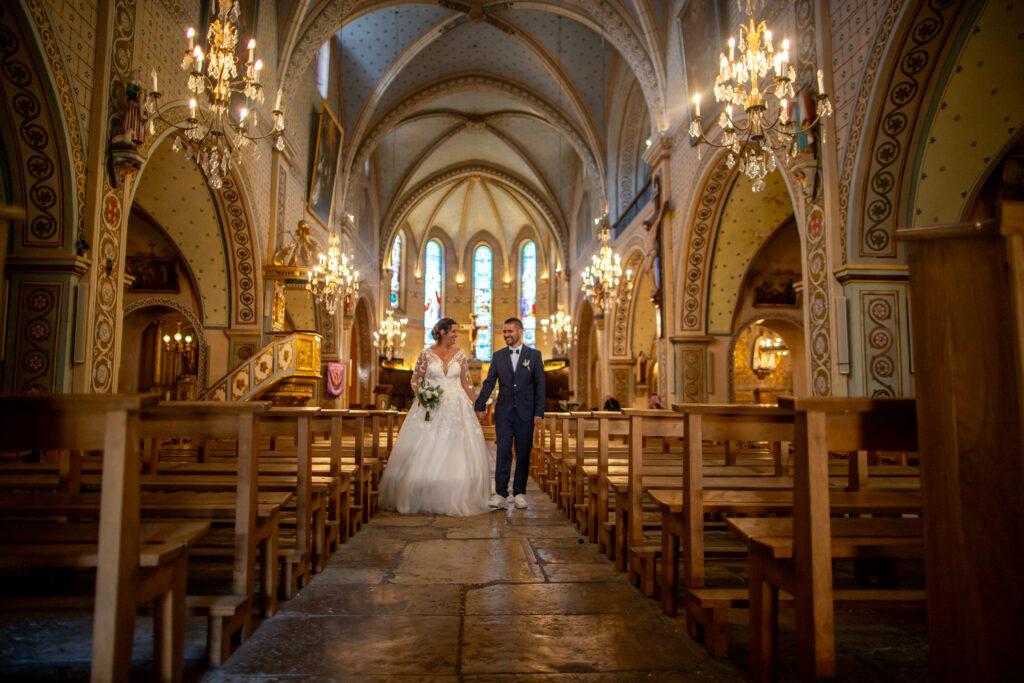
(515, 321)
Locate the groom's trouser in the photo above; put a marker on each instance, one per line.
(512, 431)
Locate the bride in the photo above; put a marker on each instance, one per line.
(439, 465)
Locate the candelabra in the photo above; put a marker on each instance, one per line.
(212, 134)
(390, 337)
(766, 355)
(334, 281)
(177, 343)
(743, 84)
(604, 277)
(562, 331)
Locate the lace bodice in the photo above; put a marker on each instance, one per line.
(431, 370)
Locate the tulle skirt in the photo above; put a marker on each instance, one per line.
(441, 466)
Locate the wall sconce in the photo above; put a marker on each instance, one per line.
(460, 280)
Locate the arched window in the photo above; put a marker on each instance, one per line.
(483, 273)
(396, 270)
(528, 293)
(433, 277)
(323, 68)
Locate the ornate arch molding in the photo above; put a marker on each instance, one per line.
(474, 81)
(237, 222)
(628, 152)
(622, 327)
(889, 115)
(197, 325)
(41, 138)
(400, 209)
(609, 19)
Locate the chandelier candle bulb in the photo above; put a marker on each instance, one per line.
(258, 67)
(191, 109)
(252, 48)
(696, 104)
(190, 34)
(153, 74)
(732, 49)
(821, 82)
(768, 41)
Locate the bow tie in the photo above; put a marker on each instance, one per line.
(514, 351)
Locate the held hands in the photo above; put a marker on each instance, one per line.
(481, 415)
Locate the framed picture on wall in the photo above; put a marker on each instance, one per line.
(700, 31)
(775, 289)
(153, 273)
(325, 165)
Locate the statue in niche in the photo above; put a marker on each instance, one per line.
(652, 244)
(125, 157)
(641, 368)
(301, 251)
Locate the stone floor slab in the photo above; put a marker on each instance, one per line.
(574, 644)
(466, 562)
(588, 572)
(550, 598)
(323, 598)
(350, 645)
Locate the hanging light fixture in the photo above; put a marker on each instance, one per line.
(177, 343)
(744, 85)
(604, 279)
(213, 136)
(333, 281)
(767, 353)
(390, 336)
(562, 331)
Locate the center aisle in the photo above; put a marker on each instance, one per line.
(510, 595)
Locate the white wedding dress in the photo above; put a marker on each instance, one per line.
(439, 466)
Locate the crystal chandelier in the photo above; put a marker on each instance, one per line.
(211, 129)
(603, 278)
(767, 353)
(177, 343)
(562, 331)
(390, 336)
(744, 84)
(334, 281)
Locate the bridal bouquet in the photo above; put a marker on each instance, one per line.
(428, 397)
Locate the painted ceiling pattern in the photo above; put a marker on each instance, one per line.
(748, 220)
(984, 86)
(562, 69)
(193, 227)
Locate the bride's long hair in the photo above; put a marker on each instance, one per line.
(442, 327)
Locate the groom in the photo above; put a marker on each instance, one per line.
(520, 372)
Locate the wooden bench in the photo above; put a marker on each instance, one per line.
(134, 563)
(801, 561)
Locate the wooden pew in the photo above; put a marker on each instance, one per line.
(800, 561)
(135, 563)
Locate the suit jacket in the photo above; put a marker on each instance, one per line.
(521, 390)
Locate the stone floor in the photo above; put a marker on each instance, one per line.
(513, 595)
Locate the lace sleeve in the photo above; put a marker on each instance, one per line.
(419, 371)
(467, 381)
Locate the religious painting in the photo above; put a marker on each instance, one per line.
(325, 166)
(775, 289)
(701, 33)
(153, 273)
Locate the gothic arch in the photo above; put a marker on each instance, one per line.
(234, 204)
(203, 347)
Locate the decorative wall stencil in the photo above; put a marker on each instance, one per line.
(691, 370)
(881, 315)
(624, 306)
(107, 247)
(905, 96)
(816, 287)
(34, 150)
(39, 331)
(244, 271)
(707, 213)
(67, 102)
(856, 129)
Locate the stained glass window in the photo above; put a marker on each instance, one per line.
(483, 273)
(528, 293)
(433, 276)
(396, 270)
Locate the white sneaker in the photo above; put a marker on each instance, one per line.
(520, 501)
(497, 501)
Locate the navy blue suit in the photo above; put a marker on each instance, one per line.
(520, 399)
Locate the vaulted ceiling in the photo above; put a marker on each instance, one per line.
(483, 99)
